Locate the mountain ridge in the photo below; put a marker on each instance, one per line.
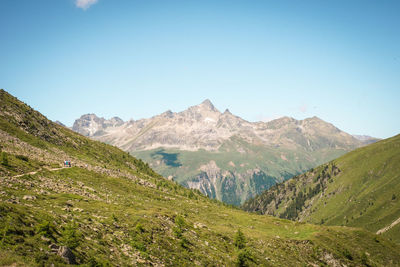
(204, 114)
(358, 189)
(249, 156)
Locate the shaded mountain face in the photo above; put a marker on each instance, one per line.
(359, 189)
(221, 154)
(111, 209)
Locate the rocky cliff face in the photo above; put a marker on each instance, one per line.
(91, 125)
(219, 153)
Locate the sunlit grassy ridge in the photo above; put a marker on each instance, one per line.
(112, 209)
(359, 189)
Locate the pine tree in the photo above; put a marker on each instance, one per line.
(240, 240)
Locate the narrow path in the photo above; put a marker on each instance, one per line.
(34, 172)
(387, 228)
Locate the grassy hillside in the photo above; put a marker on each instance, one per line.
(111, 209)
(359, 189)
(237, 176)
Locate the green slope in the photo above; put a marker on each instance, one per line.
(239, 176)
(111, 209)
(360, 189)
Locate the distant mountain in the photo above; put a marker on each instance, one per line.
(366, 139)
(223, 155)
(359, 189)
(60, 123)
(90, 124)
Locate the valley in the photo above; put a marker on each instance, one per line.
(359, 189)
(222, 155)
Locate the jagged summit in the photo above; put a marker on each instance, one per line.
(207, 102)
(204, 127)
(90, 124)
(207, 105)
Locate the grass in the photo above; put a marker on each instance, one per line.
(126, 214)
(235, 183)
(363, 194)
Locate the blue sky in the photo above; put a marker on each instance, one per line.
(338, 60)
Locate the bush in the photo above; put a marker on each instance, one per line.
(364, 259)
(139, 245)
(71, 236)
(244, 258)
(347, 254)
(180, 222)
(139, 228)
(4, 159)
(240, 240)
(97, 262)
(46, 229)
(22, 157)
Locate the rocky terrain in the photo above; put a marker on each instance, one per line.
(222, 155)
(204, 127)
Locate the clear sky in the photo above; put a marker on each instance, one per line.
(338, 60)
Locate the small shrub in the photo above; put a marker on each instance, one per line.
(22, 157)
(184, 243)
(97, 262)
(364, 259)
(191, 195)
(46, 229)
(347, 254)
(393, 197)
(139, 228)
(240, 240)
(4, 159)
(139, 245)
(180, 222)
(244, 258)
(71, 236)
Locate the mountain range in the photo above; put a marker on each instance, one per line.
(221, 154)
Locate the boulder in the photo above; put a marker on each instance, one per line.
(67, 255)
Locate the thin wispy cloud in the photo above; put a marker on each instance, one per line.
(85, 4)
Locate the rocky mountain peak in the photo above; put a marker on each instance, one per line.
(207, 105)
(89, 116)
(167, 114)
(204, 127)
(116, 119)
(89, 124)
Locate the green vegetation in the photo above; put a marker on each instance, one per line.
(126, 214)
(234, 183)
(358, 189)
(4, 159)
